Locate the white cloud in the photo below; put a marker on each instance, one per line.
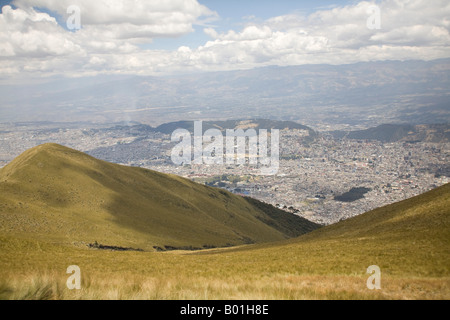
(249, 33)
(112, 31)
(417, 35)
(414, 29)
(128, 19)
(211, 32)
(32, 34)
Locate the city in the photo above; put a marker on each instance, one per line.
(312, 177)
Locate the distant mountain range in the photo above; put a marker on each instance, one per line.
(256, 124)
(245, 124)
(400, 132)
(61, 194)
(370, 93)
(383, 133)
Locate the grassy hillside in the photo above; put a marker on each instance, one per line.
(61, 194)
(409, 241)
(409, 238)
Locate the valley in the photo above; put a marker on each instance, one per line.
(408, 241)
(315, 166)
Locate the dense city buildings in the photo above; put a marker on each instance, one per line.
(325, 179)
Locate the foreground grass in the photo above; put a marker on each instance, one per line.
(39, 272)
(198, 288)
(409, 241)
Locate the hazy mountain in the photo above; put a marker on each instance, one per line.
(64, 195)
(398, 132)
(370, 93)
(169, 128)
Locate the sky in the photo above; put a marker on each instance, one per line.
(76, 38)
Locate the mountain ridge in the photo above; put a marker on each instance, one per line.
(51, 189)
(348, 94)
(439, 132)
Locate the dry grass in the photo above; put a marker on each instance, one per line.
(409, 241)
(244, 274)
(237, 288)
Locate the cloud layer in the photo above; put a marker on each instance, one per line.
(32, 42)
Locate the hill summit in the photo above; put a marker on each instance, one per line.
(61, 194)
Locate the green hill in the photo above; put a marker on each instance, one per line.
(61, 195)
(409, 238)
(54, 199)
(425, 217)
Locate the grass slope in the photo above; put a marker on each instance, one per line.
(53, 192)
(411, 237)
(408, 240)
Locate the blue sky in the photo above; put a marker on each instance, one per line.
(268, 8)
(235, 10)
(233, 14)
